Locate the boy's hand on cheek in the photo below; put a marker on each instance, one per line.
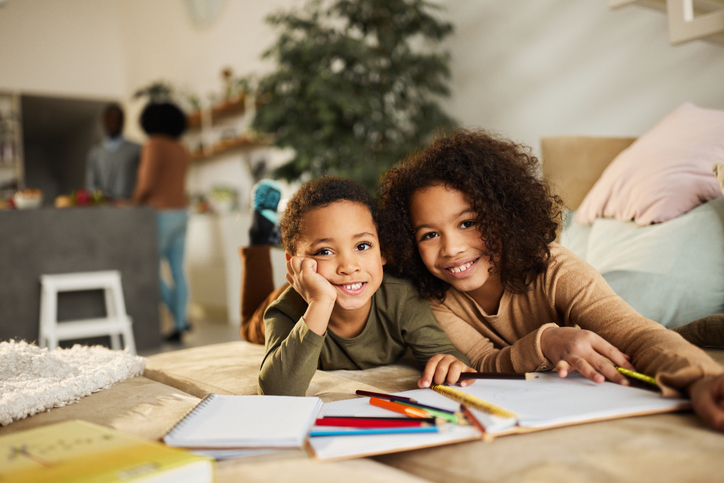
(316, 291)
(313, 287)
(444, 368)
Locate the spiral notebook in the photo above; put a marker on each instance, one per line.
(532, 405)
(221, 421)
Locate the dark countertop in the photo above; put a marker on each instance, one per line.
(48, 240)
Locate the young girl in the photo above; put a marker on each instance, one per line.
(470, 222)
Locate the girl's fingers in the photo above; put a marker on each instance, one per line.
(613, 354)
(563, 368)
(609, 371)
(582, 366)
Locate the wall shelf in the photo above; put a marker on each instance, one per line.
(222, 128)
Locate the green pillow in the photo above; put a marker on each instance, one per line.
(670, 272)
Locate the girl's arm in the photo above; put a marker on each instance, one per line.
(490, 354)
(583, 298)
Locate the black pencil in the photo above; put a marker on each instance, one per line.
(498, 375)
(389, 397)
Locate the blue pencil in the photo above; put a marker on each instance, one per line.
(367, 431)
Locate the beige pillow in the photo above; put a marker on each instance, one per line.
(718, 169)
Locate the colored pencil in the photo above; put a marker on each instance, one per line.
(498, 375)
(385, 418)
(390, 397)
(399, 407)
(450, 416)
(637, 375)
(471, 418)
(372, 423)
(472, 401)
(358, 432)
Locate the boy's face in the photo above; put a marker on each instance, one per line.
(342, 238)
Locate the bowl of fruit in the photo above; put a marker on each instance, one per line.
(28, 199)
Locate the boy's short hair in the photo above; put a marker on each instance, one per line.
(318, 193)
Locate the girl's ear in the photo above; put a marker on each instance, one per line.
(287, 255)
(384, 260)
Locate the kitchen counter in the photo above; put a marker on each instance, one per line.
(50, 240)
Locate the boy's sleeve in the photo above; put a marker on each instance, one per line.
(292, 355)
(421, 331)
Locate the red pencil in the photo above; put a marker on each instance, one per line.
(370, 423)
(471, 417)
(400, 408)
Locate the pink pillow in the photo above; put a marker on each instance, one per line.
(664, 173)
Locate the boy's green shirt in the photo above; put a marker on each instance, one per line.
(399, 318)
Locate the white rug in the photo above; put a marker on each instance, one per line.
(33, 380)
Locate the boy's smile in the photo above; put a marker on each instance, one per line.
(448, 241)
(342, 238)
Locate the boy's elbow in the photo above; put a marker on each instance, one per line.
(269, 386)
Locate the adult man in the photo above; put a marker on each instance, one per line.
(113, 164)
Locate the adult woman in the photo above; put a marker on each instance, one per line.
(161, 184)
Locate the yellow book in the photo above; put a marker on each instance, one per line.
(78, 451)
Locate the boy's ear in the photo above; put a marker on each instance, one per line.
(287, 255)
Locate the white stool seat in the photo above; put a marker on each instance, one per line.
(116, 323)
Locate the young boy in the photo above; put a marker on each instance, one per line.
(341, 311)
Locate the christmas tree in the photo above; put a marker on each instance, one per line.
(356, 87)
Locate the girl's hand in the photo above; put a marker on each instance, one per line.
(302, 275)
(707, 399)
(444, 368)
(584, 351)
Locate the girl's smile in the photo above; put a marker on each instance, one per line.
(450, 245)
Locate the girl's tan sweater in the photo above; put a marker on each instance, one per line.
(570, 293)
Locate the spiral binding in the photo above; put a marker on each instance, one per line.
(472, 401)
(188, 415)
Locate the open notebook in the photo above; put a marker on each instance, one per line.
(546, 402)
(219, 422)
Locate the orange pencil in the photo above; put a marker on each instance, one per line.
(400, 408)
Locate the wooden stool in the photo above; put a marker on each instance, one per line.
(114, 324)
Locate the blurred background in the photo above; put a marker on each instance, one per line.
(292, 89)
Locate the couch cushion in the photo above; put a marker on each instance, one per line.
(670, 272)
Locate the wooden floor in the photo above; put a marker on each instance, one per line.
(204, 331)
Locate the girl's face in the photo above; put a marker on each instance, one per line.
(448, 240)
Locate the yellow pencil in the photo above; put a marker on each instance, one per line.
(472, 401)
(637, 375)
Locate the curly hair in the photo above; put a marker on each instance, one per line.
(317, 193)
(517, 214)
(163, 118)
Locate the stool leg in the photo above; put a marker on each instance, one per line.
(128, 337)
(48, 317)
